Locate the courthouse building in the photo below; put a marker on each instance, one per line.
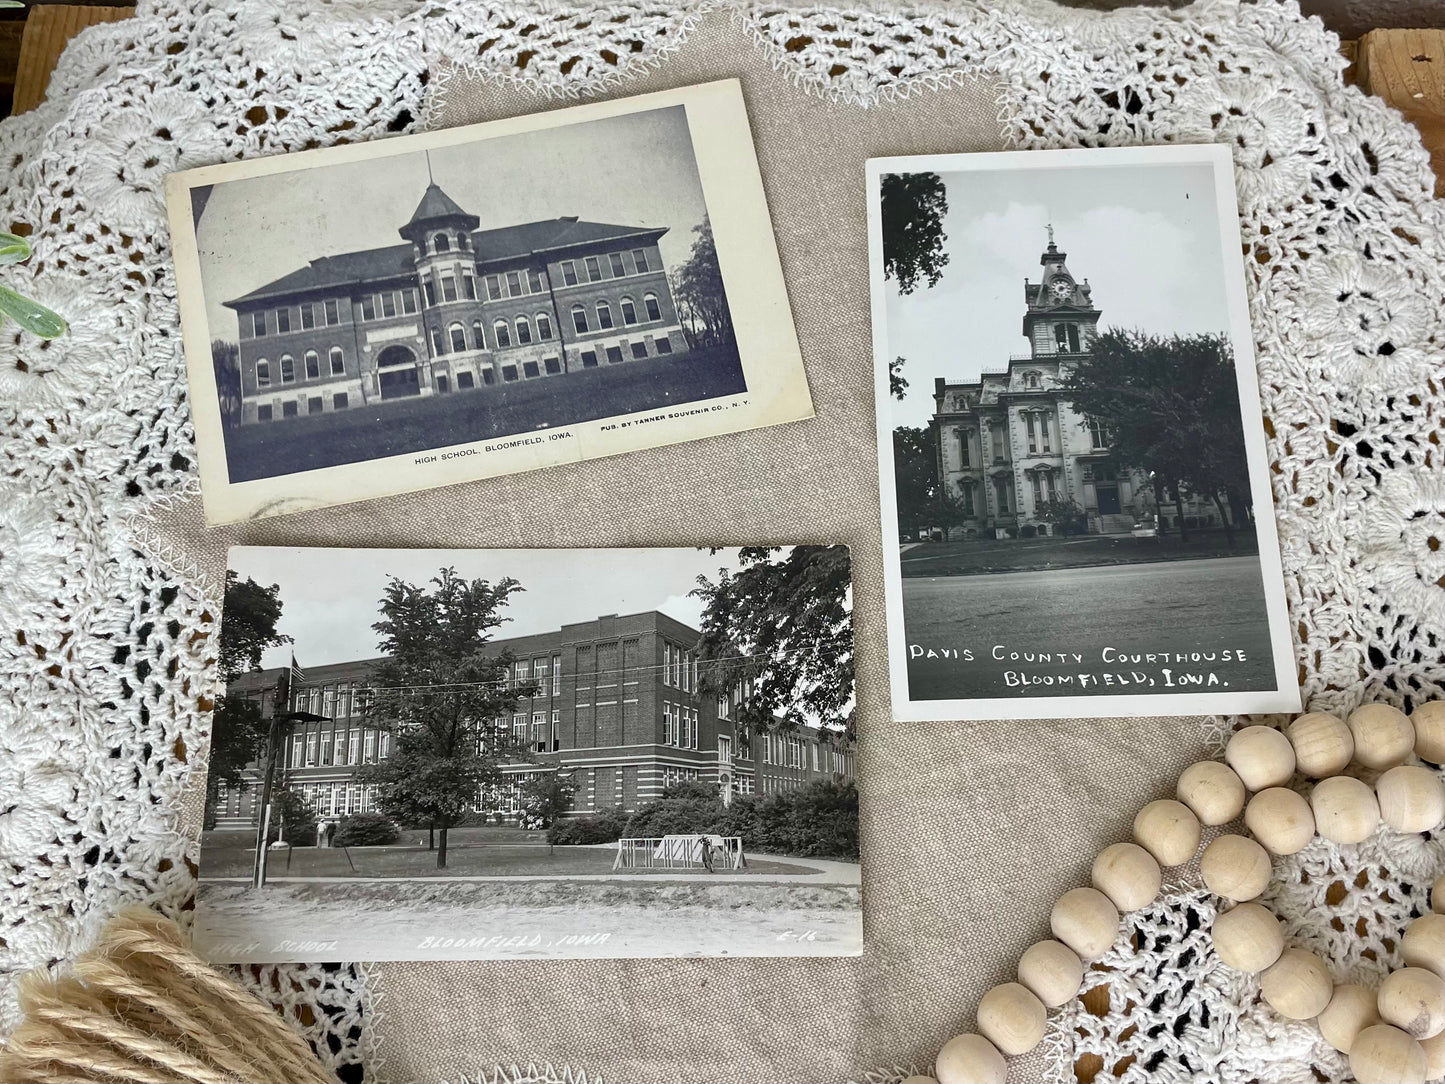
(453, 309)
(618, 706)
(1009, 443)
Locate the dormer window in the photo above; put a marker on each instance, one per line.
(1031, 380)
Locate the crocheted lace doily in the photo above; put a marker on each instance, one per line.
(105, 646)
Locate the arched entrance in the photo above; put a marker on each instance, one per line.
(396, 372)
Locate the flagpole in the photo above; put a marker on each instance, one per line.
(285, 688)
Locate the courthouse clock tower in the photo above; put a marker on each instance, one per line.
(1059, 317)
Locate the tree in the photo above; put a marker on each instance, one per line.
(1171, 406)
(226, 363)
(545, 797)
(897, 384)
(444, 697)
(915, 474)
(912, 207)
(1062, 513)
(249, 613)
(699, 288)
(783, 627)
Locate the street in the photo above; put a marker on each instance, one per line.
(1089, 631)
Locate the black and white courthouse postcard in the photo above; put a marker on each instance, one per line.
(412, 312)
(532, 754)
(1077, 516)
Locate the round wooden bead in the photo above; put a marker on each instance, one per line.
(1351, 1010)
(1281, 820)
(1434, 1048)
(1010, 1017)
(1429, 723)
(1323, 745)
(1235, 867)
(1298, 985)
(1412, 798)
(1128, 875)
(1386, 1055)
(1261, 756)
(969, 1059)
(1345, 809)
(1437, 895)
(1248, 938)
(1424, 943)
(1053, 971)
(1086, 921)
(1383, 735)
(1413, 999)
(1212, 791)
(1168, 830)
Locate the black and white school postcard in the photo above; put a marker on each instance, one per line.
(1076, 508)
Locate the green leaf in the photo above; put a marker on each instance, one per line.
(13, 249)
(31, 315)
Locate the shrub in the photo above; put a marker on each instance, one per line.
(605, 827)
(292, 818)
(1028, 530)
(365, 830)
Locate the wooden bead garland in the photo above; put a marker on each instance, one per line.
(1386, 1055)
(1345, 809)
(1413, 1000)
(1383, 735)
(1396, 1035)
(1424, 943)
(1053, 971)
(1281, 820)
(1351, 1009)
(1429, 723)
(1235, 867)
(1411, 798)
(1169, 831)
(1128, 875)
(1249, 938)
(1012, 1018)
(1323, 745)
(1212, 792)
(1261, 756)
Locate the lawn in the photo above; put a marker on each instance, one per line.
(398, 427)
(229, 854)
(987, 555)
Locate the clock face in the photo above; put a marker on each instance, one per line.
(1062, 289)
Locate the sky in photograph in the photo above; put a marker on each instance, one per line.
(634, 170)
(329, 596)
(1146, 238)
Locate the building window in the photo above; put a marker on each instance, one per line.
(1045, 442)
(469, 286)
(569, 272)
(1000, 488)
(534, 280)
(436, 341)
(639, 259)
(408, 300)
(258, 323)
(579, 318)
(556, 675)
(465, 380)
(509, 373)
(966, 486)
(963, 440)
(263, 413)
(338, 362)
(996, 431)
(589, 359)
(449, 287)
(368, 308)
(614, 355)
(442, 385)
(1029, 428)
(458, 336)
(263, 373)
(339, 401)
(308, 315)
(283, 320)
(501, 333)
(1031, 380)
(464, 241)
(441, 243)
(615, 259)
(654, 311)
(639, 350)
(551, 365)
(663, 345)
(529, 369)
(514, 283)
(479, 341)
(288, 369)
(629, 311)
(524, 330)
(1098, 434)
(544, 327)
(1066, 338)
(594, 269)
(429, 288)
(489, 375)
(494, 287)
(288, 409)
(333, 312)
(604, 314)
(388, 304)
(313, 364)
(313, 405)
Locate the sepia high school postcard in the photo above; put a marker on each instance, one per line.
(407, 313)
(1077, 516)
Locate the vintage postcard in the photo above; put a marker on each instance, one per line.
(1077, 517)
(539, 754)
(412, 312)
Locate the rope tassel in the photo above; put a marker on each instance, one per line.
(141, 1008)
